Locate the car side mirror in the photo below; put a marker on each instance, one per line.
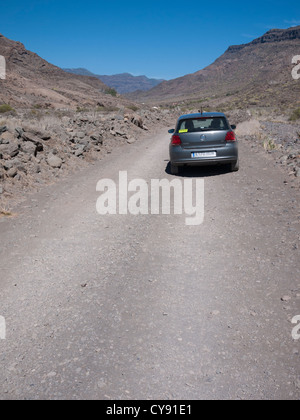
(233, 127)
(172, 131)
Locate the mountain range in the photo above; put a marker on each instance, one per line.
(257, 73)
(122, 83)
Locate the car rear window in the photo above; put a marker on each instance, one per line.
(191, 125)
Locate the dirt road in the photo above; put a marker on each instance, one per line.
(145, 307)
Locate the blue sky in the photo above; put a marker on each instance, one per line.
(158, 38)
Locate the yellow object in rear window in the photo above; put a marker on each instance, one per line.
(183, 131)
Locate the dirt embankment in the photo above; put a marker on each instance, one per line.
(280, 139)
(38, 149)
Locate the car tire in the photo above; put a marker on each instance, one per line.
(235, 166)
(174, 169)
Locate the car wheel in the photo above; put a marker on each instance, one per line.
(235, 166)
(174, 169)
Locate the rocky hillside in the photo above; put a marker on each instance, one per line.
(258, 73)
(122, 83)
(37, 151)
(32, 81)
(53, 122)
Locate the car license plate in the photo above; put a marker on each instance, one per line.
(204, 154)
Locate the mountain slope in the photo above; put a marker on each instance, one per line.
(258, 71)
(80, 71)
(30, 80)
(123, 83)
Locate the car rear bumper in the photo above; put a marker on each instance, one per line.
(225, 155)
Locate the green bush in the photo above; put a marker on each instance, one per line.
(295, 115)
(5, 108)
(111, 91)
(133, 108)
(80, 109)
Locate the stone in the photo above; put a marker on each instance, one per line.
(35, 140)
(19, 132)
(11, 149)
(54, 161)
(215, 313)
(286, 298)
(37, 169)
(30, 137)
(120, 133)
(28, 147)
(84, 141)
(80, 134)
(12, 172)
(78, 152)
(6, 137)
(3, 129)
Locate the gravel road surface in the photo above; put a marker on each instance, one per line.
(144, 306)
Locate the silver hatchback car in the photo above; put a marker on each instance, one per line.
(203, 139)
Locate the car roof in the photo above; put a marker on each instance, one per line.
(204, 114)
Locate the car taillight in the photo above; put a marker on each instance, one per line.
(230, 136)
(176, 141)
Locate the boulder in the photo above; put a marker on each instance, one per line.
(19, 132)
(12, 149)
(6, 137)
(134, 119)
(3, 129)
(80, 135)
(28, 147)
(12, 172)
(79, 152)
(54, 161)
(35, 140)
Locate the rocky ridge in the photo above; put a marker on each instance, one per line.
(257, 74)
